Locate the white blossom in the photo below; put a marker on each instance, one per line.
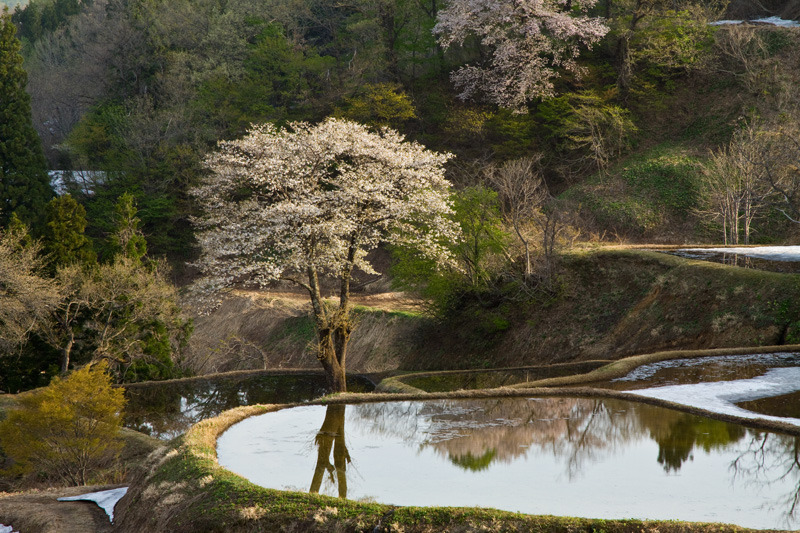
(527, 41)
(315, 199)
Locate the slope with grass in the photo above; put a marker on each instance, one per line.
(612, 302)
(619, 302)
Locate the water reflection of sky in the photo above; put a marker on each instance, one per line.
(771, 258)
(562, 456)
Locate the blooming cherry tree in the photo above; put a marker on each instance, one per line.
(527, 41)
(309, 202)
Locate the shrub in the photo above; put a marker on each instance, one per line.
(66, 430)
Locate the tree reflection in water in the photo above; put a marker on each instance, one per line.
(167, 410)
(331, 438)
(771, 458)
(574, 445)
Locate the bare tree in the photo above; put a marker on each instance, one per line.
(522, 193)
(737, 184)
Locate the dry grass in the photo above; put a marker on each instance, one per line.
(40, 511)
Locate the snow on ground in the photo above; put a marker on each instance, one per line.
(732, 362)
(775, 21)
(721, 396)
(7, 529)
(773, 253)
(106, 499)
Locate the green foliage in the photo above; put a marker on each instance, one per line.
(40, 17)
(64, 240)
(127, 240)
(646, 193)
(672, 44)
(382, 104)
(473, 463)
(32, 366)
(512, 135)
(67, 430)
(586, 127)
(277, 81)
(24, 182)
(477, 212)
(667, 178)
(775, 40)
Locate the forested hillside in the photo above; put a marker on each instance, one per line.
(143, 90)
(616, 120)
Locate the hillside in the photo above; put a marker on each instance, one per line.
(613, 303)
(144, 91)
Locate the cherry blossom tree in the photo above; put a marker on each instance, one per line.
(527, 42)
(308, 202)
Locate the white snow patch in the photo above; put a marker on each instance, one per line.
(773, 253)
(7, 529)
(721, 396)
(106, 499)
(731, 361)
(775, 21)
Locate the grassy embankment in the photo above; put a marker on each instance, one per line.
(615, 303)
(612, 303)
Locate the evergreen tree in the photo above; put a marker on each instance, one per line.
(128, 239)
(64, 238)
(24, 182)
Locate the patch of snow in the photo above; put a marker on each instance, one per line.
(775, 21)
(773, 253)
(721, 396)
(649, 370)
(106, 499)
(7, 529)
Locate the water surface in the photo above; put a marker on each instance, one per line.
(166, 410)
(770, 258)
(561, 456)
(701, 370)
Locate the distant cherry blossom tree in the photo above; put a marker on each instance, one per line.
(309, 202)
(526, 41)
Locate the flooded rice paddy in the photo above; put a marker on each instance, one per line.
(563, 456)
(770, 258)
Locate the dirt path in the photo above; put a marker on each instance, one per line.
(41, 512)
(386, 301)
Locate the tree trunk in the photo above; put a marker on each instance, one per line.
(625, 67)
(332, 354)
(66, 352)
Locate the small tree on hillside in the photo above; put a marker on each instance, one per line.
(24, 182)
(64, 240)
(522, 192)
(736, 185)
(309, 202)
(67, 430)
